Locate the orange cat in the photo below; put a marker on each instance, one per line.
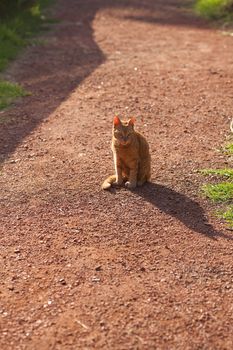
(131, 156)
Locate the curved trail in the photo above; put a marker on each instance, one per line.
(88, 269)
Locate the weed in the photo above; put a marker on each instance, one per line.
(219, 172)
(9, 92)
(18, 25)
(214, 9)
(227, 215)
(222, 192)
(17, 29)
(228, 149)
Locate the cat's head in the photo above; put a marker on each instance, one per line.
(123, 131)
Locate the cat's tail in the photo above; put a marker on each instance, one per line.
(108, 182)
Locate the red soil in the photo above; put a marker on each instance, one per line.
(86, 269)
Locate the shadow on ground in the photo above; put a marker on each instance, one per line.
(51, 72)
(181, 207)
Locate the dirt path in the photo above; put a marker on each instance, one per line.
(87, 269)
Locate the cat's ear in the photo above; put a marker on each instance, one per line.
(116, 121)
(132, 121)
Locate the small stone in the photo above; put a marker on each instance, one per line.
(102, 323)
(62, 281)
(98, 268)
(95, 279)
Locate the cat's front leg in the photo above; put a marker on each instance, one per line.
(132, 183)
(119, 178)
(118, 170)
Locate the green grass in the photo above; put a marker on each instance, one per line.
(218, 172)
(9, 92)
(215, 9)
(222, 192)
(17, 29)
(228, 149)
(227, 215)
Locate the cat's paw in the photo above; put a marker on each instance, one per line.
(118, 183)
(130, 185)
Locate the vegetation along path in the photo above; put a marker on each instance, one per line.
(83, 268)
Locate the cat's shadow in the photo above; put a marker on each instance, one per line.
(181, 207)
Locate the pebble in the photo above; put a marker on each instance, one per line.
(95, 279)
(98, 268)
(62, 281)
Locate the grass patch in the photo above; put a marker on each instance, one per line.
(227, 215)
(215, 9)
(222, 192)
(20, 22)
(9, 92)
(17, 27)
(219, 172)
(228, 149)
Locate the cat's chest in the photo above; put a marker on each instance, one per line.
(128, 154)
